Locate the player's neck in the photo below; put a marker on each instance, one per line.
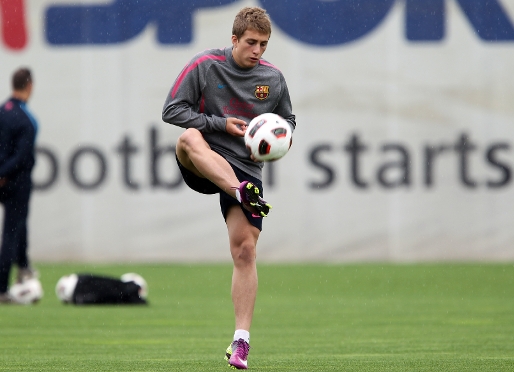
(22, 95)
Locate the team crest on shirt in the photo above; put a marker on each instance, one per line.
(262, 92)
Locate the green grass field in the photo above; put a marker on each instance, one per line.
(369, 317)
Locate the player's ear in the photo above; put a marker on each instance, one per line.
(234, 41)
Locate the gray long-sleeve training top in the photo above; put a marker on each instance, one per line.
(212, 87)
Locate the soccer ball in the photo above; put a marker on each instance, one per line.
(66, 287)
(138, 279)
(27, 292)
(268, 137)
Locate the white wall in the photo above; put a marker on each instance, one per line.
(381, 88)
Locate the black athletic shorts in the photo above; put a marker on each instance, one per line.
(204, 186)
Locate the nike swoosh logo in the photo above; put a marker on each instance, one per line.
(245, 362)
(221, 86)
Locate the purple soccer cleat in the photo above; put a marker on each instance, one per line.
(251, 200)
(237, 354)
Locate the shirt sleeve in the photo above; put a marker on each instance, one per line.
(284, 107)
(183, 106)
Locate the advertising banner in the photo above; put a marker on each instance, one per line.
(402, 151)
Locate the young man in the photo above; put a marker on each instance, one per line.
(215, 96)
(17, 136)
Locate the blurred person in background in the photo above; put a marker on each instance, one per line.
(18, 130)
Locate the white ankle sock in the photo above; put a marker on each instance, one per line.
(238, 195)
(241, 333)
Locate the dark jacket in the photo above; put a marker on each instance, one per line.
(17, 136)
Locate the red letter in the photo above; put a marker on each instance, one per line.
(12, 15)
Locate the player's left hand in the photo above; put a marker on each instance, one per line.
(236, 127)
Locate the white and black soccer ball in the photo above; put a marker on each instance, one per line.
(27, 292)
(268, 137)
(139, 280)
(66, 287)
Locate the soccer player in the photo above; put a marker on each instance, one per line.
(17, 136)
(214, 97)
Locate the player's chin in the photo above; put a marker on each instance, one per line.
(252, 62)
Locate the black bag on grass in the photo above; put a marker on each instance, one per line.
(91, 289)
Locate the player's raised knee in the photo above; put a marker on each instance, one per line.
(190, 138)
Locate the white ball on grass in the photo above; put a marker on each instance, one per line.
(65, 287)
(28, 292)
(139, 280)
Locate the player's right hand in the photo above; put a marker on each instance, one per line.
(236, 127)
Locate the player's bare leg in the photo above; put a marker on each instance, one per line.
(243, 240)
(195, 154)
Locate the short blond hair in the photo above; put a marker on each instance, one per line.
(253, 18)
